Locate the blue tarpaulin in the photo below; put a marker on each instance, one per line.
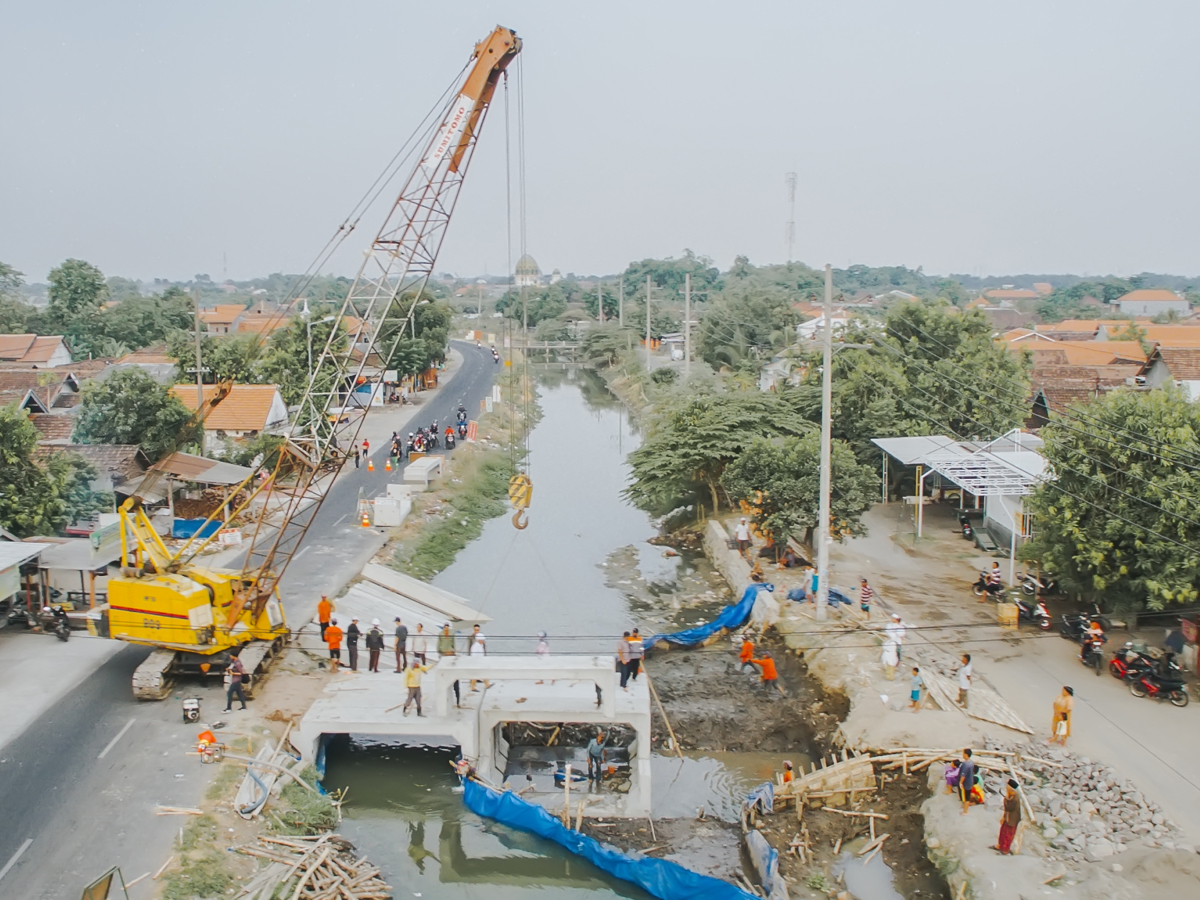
(762, 796)
(659, 877)
(730, 617)
(766, 863)
(189, 528)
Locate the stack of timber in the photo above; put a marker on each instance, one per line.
(984, 703)
(834, 782)
(312, 868)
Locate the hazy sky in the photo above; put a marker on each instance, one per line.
(1003, 137)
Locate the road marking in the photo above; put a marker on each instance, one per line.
(339, 521)
(302, 552)
(113, 742)
(12, 862)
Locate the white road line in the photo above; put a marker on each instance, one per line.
(339, 521)
(12, 862)
(113, 742)
(301, 553)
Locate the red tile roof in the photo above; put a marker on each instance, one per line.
(246, 408)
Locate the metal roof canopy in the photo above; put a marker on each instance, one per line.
(912, 451)
(987, 474)
(16, 553)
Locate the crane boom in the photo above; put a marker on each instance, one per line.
(394, 271)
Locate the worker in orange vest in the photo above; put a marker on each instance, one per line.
(769, 675)
(333, 637)
(324, 608)
(747, 654)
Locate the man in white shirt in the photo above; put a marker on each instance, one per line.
(964, 680)
(478, 651)
(420, 644)
(895, 631)
(742, 535)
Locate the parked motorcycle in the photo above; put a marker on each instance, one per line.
(1128, 664)
(1092, 652)
(1034, 612)
(1034, 584)
(965, 525)
(1075, 625)
(1158, 687)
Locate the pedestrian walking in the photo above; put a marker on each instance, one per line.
(420, 644)
(333, 637)
(966, 780)
(914, 693)
(895, 631)
(742, 535)
(478, 651)
(445, 647)
(352, 634)
(236, 672)
(366, 449)
(623, 660)
(597, 752)
(1064, 707)
(401, 645)
(324, 609)
(374, 646)
(770, 678)
(964, 680)
(865, 595)
(1009, 819)
(637, 650)
(412, 681)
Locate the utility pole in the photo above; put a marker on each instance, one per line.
(822, 533)
(621, 302)
(790, 232)
(687, 325)
(600, 300)
(199, 370)
(647, 323)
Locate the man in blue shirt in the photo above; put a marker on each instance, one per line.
(596, 754)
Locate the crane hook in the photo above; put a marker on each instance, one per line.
(519, 523)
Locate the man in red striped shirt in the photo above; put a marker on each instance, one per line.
(865, 595)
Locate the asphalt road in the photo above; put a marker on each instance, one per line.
(70, 809)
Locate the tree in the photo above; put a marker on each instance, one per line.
(138, 321)
(222, 357)
(745, 322)
(693, 438)
(412, 346)
(1111, 522)
(130, 407)
(14, 312)
(537, 305)
(286, 361)
(782, 477)
(77, 289)
(670, 273)
(612, 304)
(34, 500)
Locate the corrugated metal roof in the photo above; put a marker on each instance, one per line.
(14, 553)
(916, 450)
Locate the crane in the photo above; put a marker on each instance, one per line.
(194, 615)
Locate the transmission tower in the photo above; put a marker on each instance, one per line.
(789, 232)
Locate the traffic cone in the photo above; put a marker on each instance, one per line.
(366, 521)
(370, 465)
(389, 464)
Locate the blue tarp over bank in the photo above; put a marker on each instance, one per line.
(660, 877)
(731, 617)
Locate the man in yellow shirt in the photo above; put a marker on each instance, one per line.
(412, 681)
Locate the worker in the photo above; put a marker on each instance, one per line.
(865, 595)
(333, 637)
(445, 647)
(596, 755)
(747, 653)
(352, 634)
(420, 644)
(374, 646)
(770, 678)
(478, 651)
(412, 681)
(237, 672)
(324, 608)
(789, 773)
(401, 645)
(637, 650)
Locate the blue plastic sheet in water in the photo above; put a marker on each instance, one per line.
(763, 796)
(730, 617)
(659, 877)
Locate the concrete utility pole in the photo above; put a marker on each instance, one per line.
(621, 302)
(600, 300)
(822, 533)
(647, 323)
(687, 325)
(199, 370)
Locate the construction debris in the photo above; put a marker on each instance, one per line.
(312, 868)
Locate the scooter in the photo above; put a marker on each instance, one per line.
(1128, 664)
(983, 586)
(1092, 652)
(1157, 687)
(449, 439)
(1035, 612)
(462, 428)
(965, 524)
(1075, 625)
(1033, 584)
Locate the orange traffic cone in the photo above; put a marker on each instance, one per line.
(389, 464)
(370, 465)
(366, 521)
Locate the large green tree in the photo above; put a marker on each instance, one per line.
(286, 361)
(691, 440)
(130, 407)
(14, 312)
(233, 357)
(138, 321)
(746, 321)
(1118, 520)
(670, 274)
(782, 478)
(77, 289)
(33, 499)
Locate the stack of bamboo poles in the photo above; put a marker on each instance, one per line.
(323, 868)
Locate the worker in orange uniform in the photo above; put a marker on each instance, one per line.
(333, 637)
(747, 654)
(324, 609)
(769, 675)
(789, 773)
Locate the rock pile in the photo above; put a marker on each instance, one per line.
(1084, 809)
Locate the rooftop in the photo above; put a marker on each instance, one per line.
(1182, 362)
(1144, 294)
(246, 408)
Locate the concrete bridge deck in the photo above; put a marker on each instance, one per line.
(371, 704)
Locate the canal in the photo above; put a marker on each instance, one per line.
(582, 572)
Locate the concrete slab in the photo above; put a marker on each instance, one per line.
(450, 606)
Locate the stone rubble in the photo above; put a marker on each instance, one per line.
(1085, 810)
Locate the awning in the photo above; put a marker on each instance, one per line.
(15, 553)
(913, 451)
(987, 474)
(201, 469)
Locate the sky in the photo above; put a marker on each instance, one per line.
(165, 140)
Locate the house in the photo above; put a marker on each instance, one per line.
(815, 328)
(53, 429)
(116, 464)
(1174, 365)
(1043, 288)
(1049, 351)
(223, 319)
(1009, 296)
(245, 412)
(39, 390)
(1055, 387)
(34, 351)
(154, 362)
(1153, 302)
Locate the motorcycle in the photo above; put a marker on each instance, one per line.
(1158, 687)
(462, 428)
(462, 414)
(965, 524)
(983, 586)
(1037, 613)
(1092, 652)
(449, 439)
(1128, 663)
(1075, 625)
(1033, 584)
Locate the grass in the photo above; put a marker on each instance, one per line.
(203, 870)
(224, 782)
(303, 812)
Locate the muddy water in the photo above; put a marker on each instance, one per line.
(583, 572)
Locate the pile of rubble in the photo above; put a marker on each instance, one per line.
(1085, 810)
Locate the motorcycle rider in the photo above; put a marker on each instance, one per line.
(462, 413)
(1092, 640)
(995, 583)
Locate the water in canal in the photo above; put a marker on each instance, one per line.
(403, 808)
